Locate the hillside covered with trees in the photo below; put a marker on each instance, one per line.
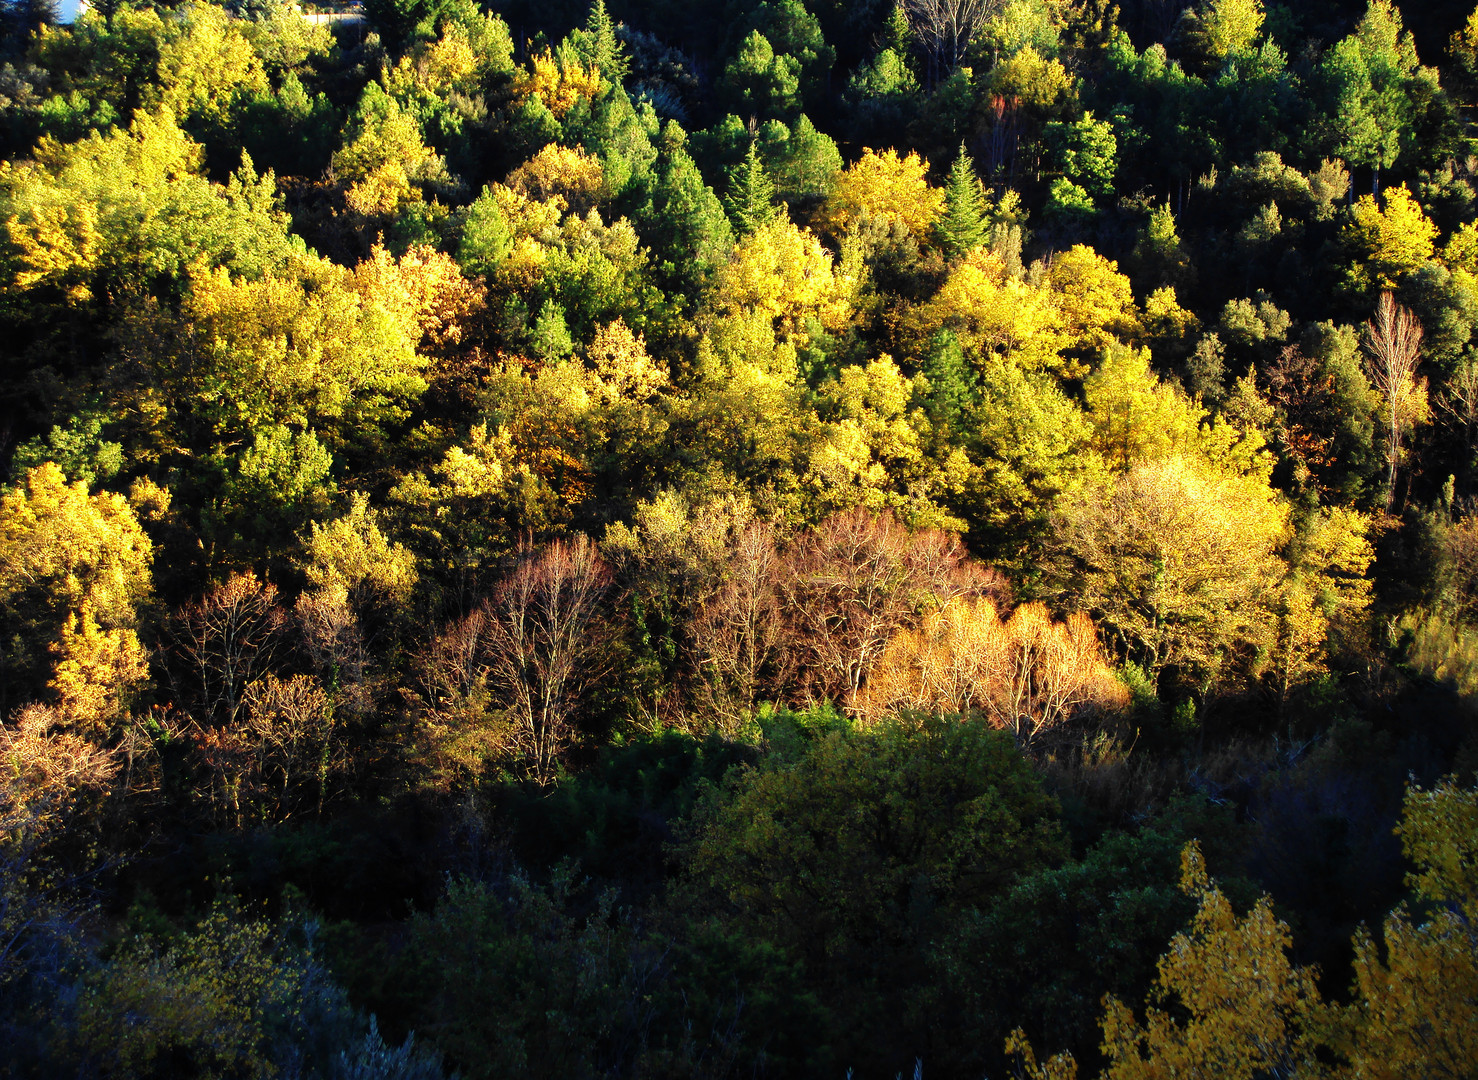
(792, 538)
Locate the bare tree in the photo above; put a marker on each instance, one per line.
(852, 582)
(1394, 339)
(229, 759)
(48, 776)
(945, 28)
(292, 723)
(1026, 674)
(453, 668)
(47, 770)
(738, 630)
(334, 640)
(459, 730)
(1460, 398)
(1055, 672)
(225, 639)
(547, 645)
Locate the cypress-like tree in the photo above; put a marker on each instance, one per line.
(963, 226)
(750, 199)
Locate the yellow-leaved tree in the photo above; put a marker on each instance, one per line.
(565, 173)
(1179, 560)
(1094, 301)
(74, 568)
(1417, 991)
(870, 453)
(995, 315)
(1227, 1002)
(884, 187)
(1388, 242)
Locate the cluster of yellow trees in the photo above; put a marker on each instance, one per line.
(1228, 1002)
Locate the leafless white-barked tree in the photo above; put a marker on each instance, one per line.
(945, 27)
(1393, 339)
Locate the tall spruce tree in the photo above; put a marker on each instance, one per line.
(750, 199)
(964, 225)
(600, 46)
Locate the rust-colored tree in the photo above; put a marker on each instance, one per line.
(851, 583)
(548, 645)
(740, 629)
(44, 771)
(1027, 674)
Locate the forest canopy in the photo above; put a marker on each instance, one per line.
(787, 538)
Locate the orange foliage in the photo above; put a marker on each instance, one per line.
(45, 770)
(1027, 674)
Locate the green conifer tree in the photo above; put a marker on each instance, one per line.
(750, 199)
(963, 226)
(600, 45)
(954, 388)
(685, 224)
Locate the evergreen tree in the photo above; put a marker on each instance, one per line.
(750, 199)
(963, 225)
(954, 388)
(600, 46)
(686, 227)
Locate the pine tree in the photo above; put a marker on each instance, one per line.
(963, 226)
(750, 199)
(685, 226)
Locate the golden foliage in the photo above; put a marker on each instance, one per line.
(1388, 241)
(872, 455)
(1417, 995)
(996, 315)
(1094, 301)
(1028, 674)
(448, 65)
(202, 72)
(59, 242)
(1247, 1010)
(1328, 589)
(1180, 560)
(558, 82)
(561, 173)
(44, 771)
(386, 157)
(1439, 833)
(424, 287)
(315, 345)
(1136, 418)
(79, 549)
(351, 553)
(782, 274)
(96, 673)
(883, 188)
(622, 369)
